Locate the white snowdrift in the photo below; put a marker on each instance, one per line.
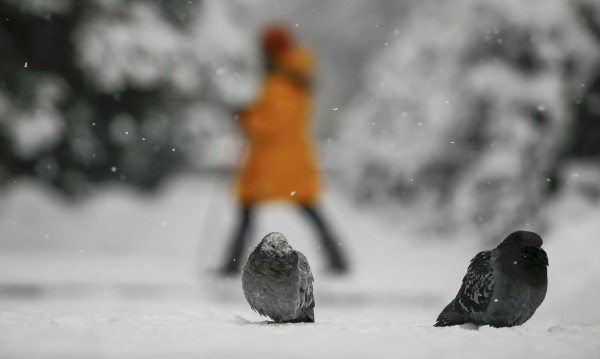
(126, 276)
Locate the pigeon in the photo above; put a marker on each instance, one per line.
(278, 283)
(503, 287)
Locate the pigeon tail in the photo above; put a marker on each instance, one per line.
(449, 317)
(310, 314)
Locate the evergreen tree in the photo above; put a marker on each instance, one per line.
(99, 90)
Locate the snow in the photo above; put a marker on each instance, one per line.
(124, 275)
(483, 129)
(153, 51)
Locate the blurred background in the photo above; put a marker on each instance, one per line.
(440, 127)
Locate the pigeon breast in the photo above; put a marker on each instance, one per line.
(272, 284)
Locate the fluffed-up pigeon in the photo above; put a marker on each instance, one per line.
(503, 287)
(277, 281)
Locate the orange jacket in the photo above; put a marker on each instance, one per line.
(279, 163)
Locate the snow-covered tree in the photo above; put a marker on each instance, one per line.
(462, 120)
(113, 89)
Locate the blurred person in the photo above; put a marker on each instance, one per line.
(279, 164)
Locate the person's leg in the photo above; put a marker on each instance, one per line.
(238, 243)
(337, 261)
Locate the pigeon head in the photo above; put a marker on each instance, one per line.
(522, 239)
(526, 248)
(276, 243)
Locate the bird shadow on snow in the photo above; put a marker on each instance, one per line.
(243, 321)
(469, 326)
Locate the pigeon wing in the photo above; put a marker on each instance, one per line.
(474, 294)
(478, 284)
(251, 282)
(307, 299)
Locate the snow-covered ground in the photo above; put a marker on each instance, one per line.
(123, 275)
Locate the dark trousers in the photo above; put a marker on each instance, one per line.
(236, 255)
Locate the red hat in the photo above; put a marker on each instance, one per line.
(275, 38)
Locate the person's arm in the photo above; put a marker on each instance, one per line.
(253, 119)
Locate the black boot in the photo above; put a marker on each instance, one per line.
(234, 258)
(337, 260)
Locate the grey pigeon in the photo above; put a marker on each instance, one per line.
(503, 287)
(277, 281)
